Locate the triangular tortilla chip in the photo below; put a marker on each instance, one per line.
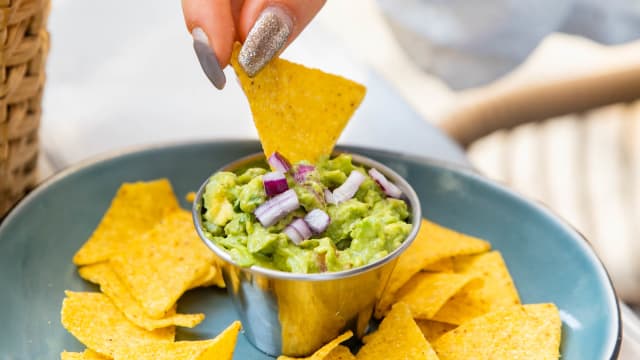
(118, 292)
(213, 277)
(86, 355)
(136, 208)
(433, 243)
(426, 293)
(432, 330)
(159, 266)
(219, 348)
(398, 337)
(299, 112)
(340, 353)
(517, 332)
(442, 265)
(96, 322)
(324, 351)
(496, 290)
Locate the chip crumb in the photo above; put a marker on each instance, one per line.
(324, 351)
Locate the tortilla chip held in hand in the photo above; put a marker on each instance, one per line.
(299, 112)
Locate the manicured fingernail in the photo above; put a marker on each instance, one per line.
(267, 37)
(207, 58)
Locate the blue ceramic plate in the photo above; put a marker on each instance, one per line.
(549, 261)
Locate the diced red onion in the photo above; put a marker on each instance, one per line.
(328, 197)
(277, 207)
(349, 188)
(293, 234)
(317, 220)
(302, 228)
(387, 186)
(302, 171)
(279, 162)
(274, 183)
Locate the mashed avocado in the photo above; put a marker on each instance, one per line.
(361, 230)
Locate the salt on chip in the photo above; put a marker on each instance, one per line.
(497, 289)
(426, 293)
(159, 266)
(118, 292)
(432, 330)
(397, 337)
(298, 112)
(433, 243)
(136, 208)
(219, 348)
(96, 322)
(325, 350)
(517, 332)
(86, 355)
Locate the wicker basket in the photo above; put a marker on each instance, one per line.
(25, 43)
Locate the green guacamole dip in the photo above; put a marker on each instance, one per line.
(362, 229)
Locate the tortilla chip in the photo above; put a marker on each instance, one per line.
(496, 290)
(159, 266)
(86, 355)
(299, 112)
(118, 292)
(432, 330)
(340, 353)
(324, 351)
(517, 332)
(96, 322)
(442, 265)
(426, 293)
(219, 348)
(398, 337)
(433, 243)
(213, 277)
(136, 208)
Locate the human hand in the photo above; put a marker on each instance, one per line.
(265, 28)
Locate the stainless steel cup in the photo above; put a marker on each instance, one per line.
(295, 314)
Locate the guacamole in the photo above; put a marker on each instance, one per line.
(305, 218)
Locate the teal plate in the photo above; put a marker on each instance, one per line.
(549, 261)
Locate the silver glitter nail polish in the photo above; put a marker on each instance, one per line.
(267, 37)
(208, 59)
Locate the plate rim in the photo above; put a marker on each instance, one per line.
(469, 170)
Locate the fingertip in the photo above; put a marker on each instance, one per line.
(215, 18)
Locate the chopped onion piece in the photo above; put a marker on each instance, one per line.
(317, 220)
(302, 228)
(279, 162)
(328, 197)
(387, 186)
(274, 183)
(349, 188)
(277, 207)
(302, 171)
(293, 234)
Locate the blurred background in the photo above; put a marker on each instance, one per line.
(531, 101)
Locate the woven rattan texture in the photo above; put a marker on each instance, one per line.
(24, 40)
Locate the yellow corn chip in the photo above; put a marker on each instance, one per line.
(117, 291)
(86, 355)
(219, 348)
(518, 332)
(136, 208)
(213, 277)
(497, 289)
(299, 112)
(159, 266)
(340, 353)
(398, 337)
(426, 293)
(433, 243)
(99, 325)
(442, 265)
(432, 330)
(324, 351)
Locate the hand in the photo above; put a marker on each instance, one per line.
(265, 27)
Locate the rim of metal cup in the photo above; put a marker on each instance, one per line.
(408, 193)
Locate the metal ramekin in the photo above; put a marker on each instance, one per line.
(292, 313)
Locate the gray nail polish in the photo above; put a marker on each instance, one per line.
(268, 36)
(207, 58)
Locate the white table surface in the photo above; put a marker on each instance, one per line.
(123, 74)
